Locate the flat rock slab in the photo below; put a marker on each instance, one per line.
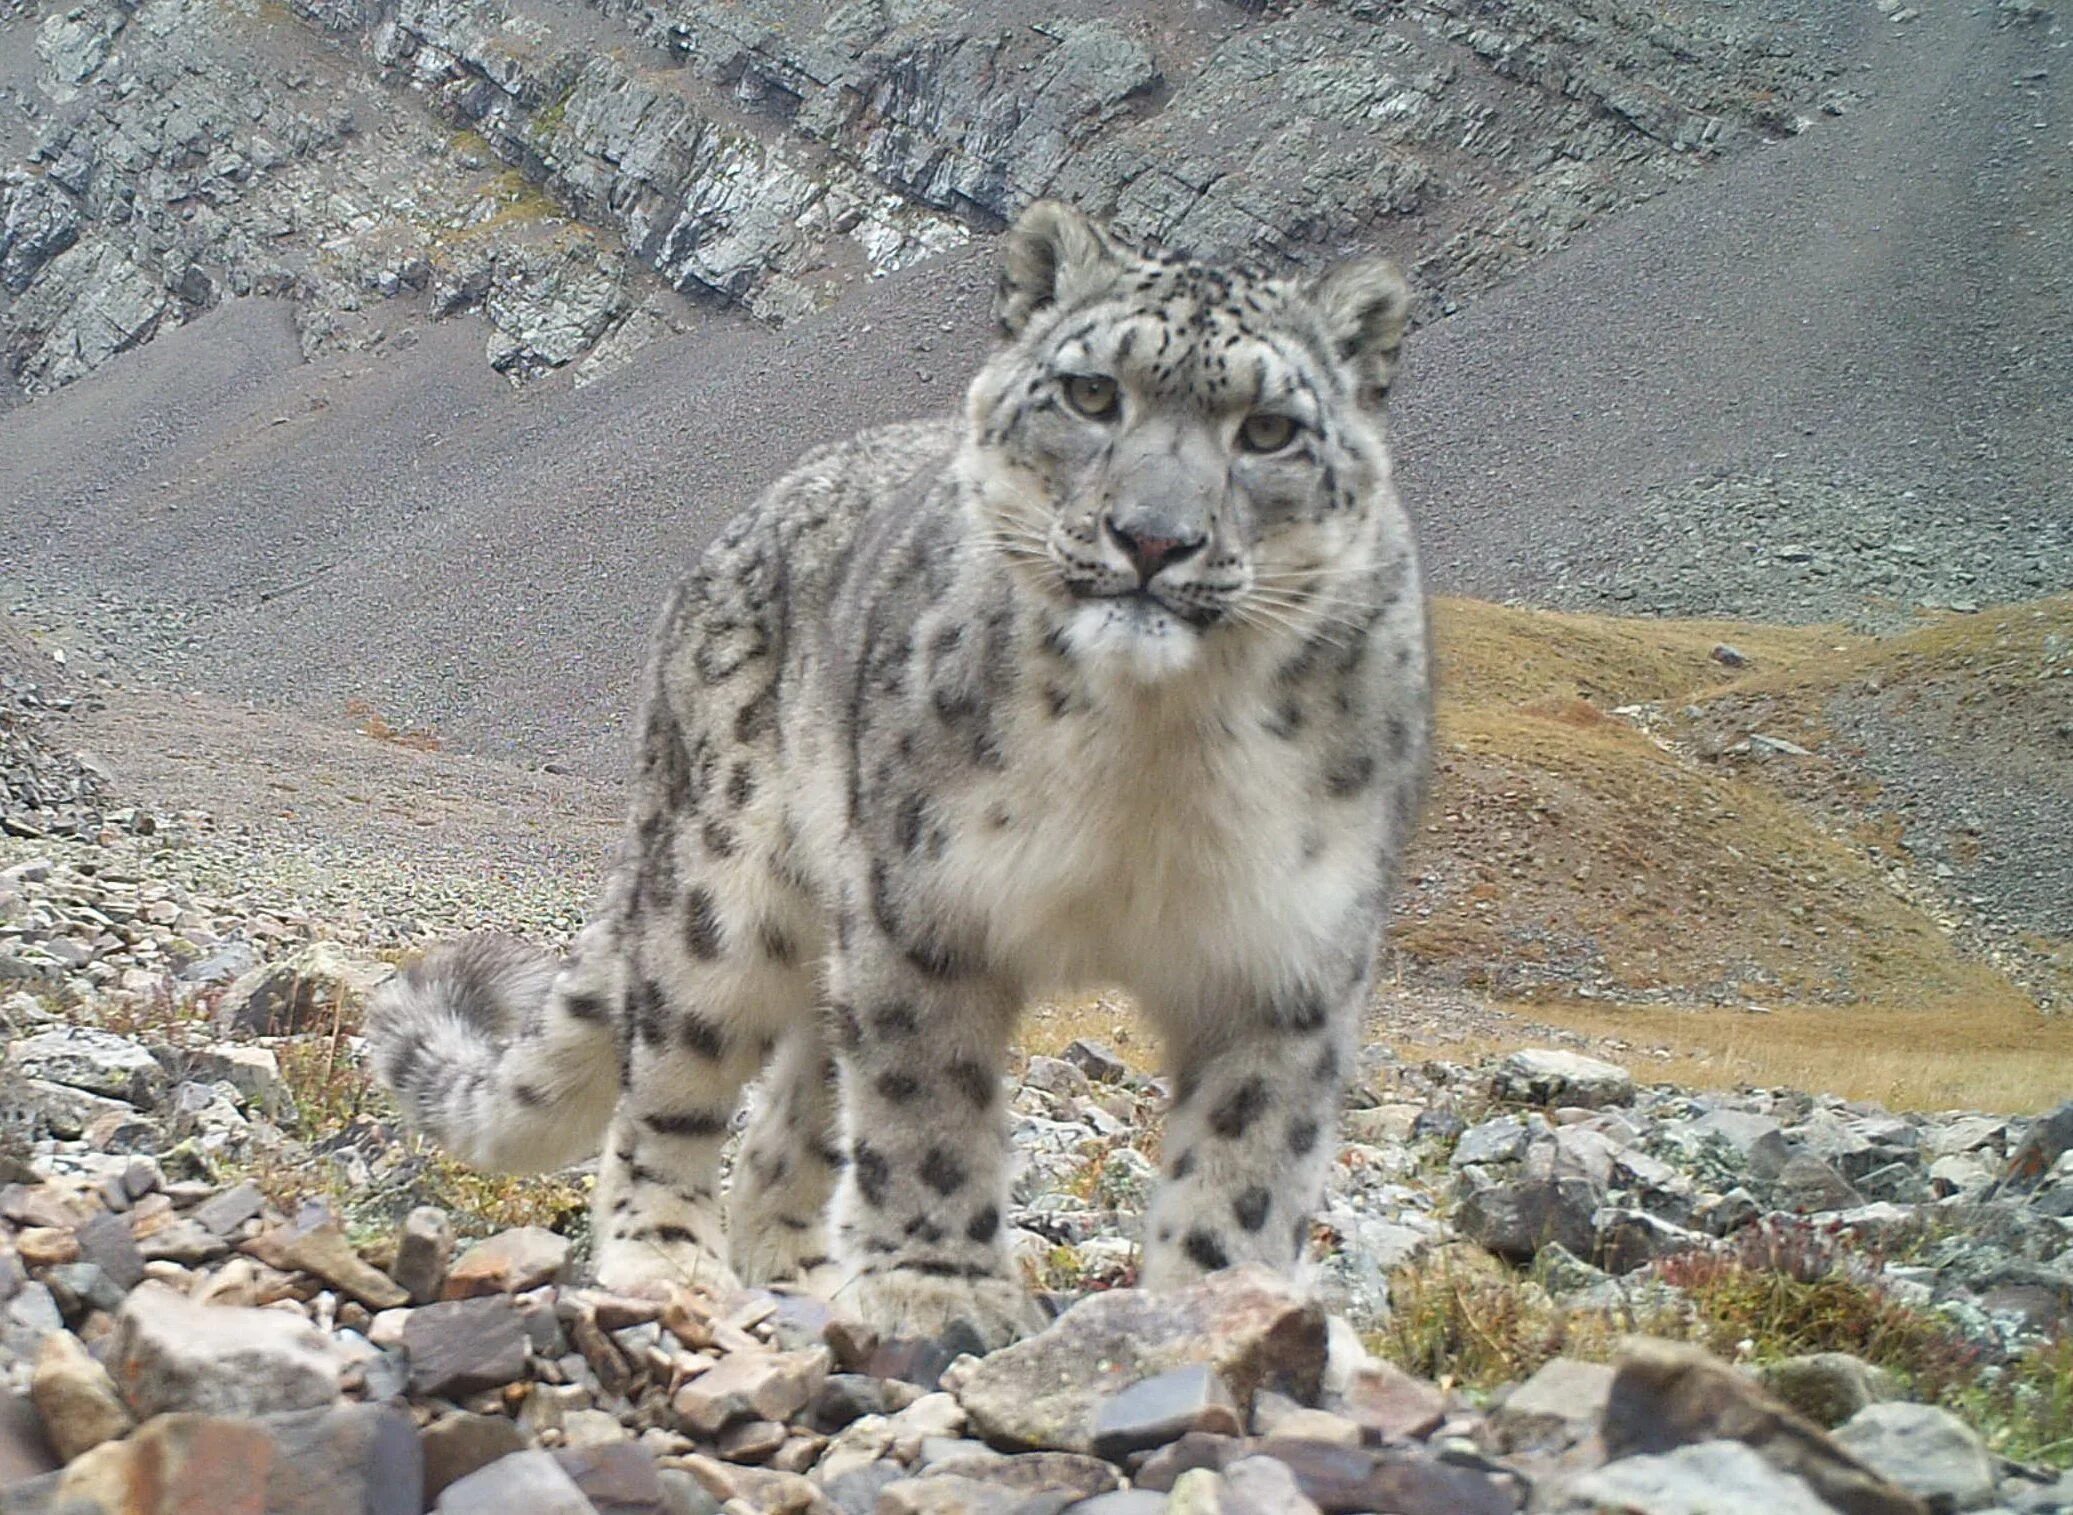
(465, 1346)
(173, 1354)
(1666, 1395)
(1929, 1452)
(773, 1386)
(1545, 1077)
(510, 1262)
(1405, 1482)
(532, 1482)
(1712, 1478)
(316, 1244)
(1388, 1404)
(1251, 1326)
(100, 1062)
(1161, 1408)
(1558, 1406)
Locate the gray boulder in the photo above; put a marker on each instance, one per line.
(1927, 1451)
(1711, 1478)
(1540, 1076)
(173, 1354)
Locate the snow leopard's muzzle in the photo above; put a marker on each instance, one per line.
(1152, 525)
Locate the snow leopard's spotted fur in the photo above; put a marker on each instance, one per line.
(1087, 687)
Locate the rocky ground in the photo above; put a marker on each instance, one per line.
(1811, 551)
(225, 1269)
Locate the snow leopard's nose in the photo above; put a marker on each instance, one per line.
(1149, 552)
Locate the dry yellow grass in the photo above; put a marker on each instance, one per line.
(1499, 656)
(1563, 839)
(2003, 650)
(2003, 1058)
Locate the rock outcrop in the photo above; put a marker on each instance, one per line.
(570, 175)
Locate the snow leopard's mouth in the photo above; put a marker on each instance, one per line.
(1145, 599)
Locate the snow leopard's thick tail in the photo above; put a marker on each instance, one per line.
(501, 1054)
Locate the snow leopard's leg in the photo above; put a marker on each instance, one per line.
(1251, 1133)
(918, 1213)
(658, 1218)
(711, 995)
(778, 1199)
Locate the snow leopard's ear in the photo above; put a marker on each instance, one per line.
(1052, 255)
(1365, 305)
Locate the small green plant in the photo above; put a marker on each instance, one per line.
(333, 1093)
(1461, 1316)
(2024, 1407)
(1761, 1313)
(1784, 1289)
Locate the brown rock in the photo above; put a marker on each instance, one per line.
(423, 1251)
(1666, 1395)
(751, 1440)
(40, 1205)
(25, 1452)
(1164, 1468)
(799, 1453)
(759, 1489)
(76, 1398)
(1247, 1323)
(456, 1445)
(43, 1247)
(189, 1463)
(1406, 1482)
(615, 1312)
(510, 1262)
(750, 1386)
(1278, 1416)
(618, 1480)
(465, 1346)
(1388, 1404)
(1032, 1472)
(315, 1243)
(947, 1495)
(613, 1371)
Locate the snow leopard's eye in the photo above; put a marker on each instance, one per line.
(1263, 431)
(1092, 395)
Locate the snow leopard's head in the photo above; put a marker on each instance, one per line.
(1182, 454)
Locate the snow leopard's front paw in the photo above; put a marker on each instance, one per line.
(980, 1313)
(654, 1266)
(782, 1257)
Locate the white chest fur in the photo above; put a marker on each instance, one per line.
(1179, 851)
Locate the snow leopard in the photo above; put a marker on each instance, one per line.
(1118, 678)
